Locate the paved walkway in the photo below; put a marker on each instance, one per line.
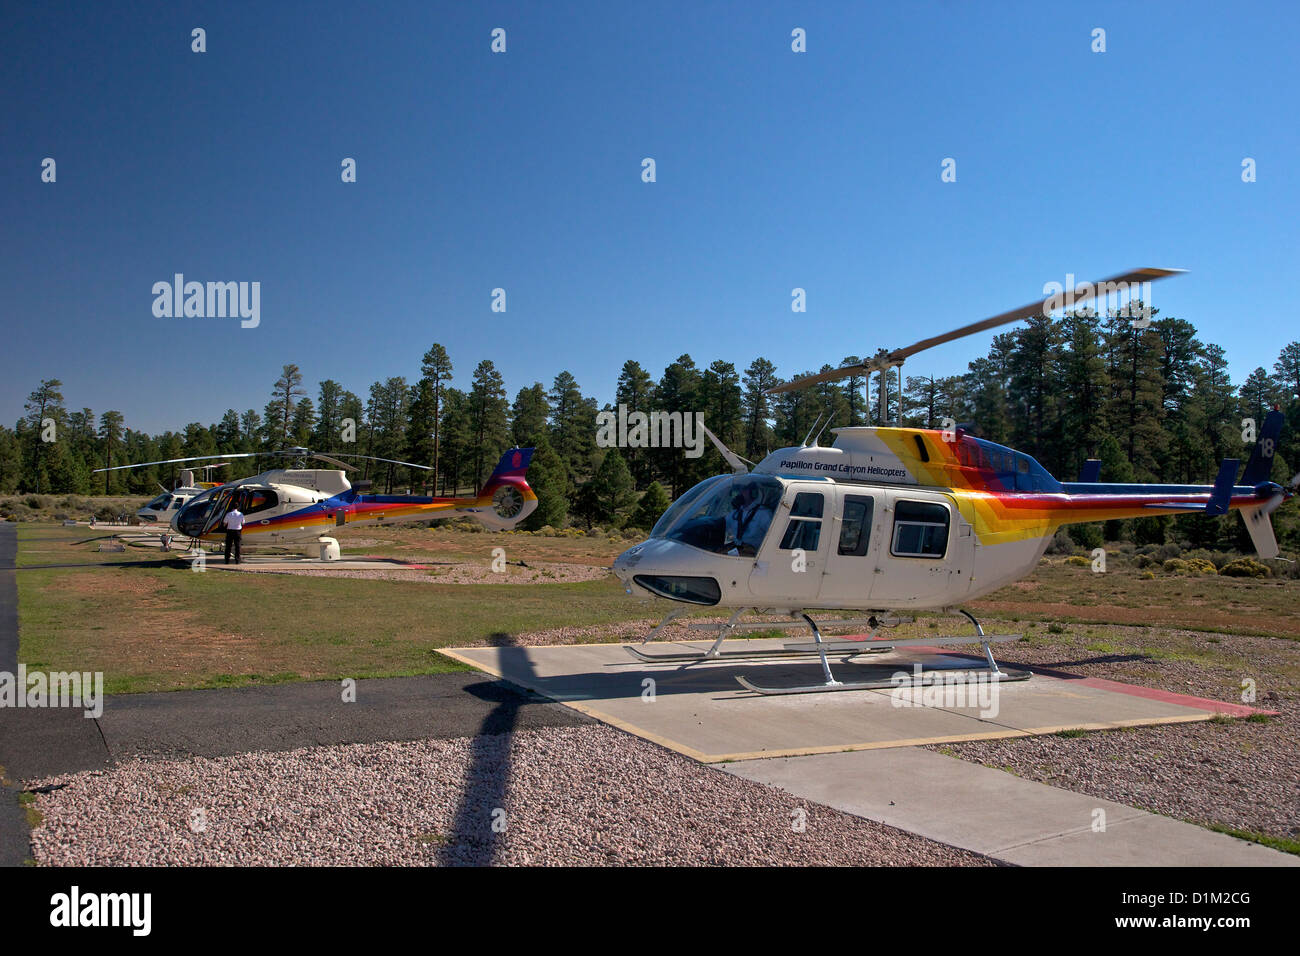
(999, 814)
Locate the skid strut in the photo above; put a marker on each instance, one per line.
(732, 624)
(901, 679)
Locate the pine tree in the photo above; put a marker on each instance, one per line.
(529, 415)
(44, 407)
(279, 410)
(650, 508)
(548, 478)
(756, 406)
(436, 369)
(612, 487)
(489, 418)
(110, 437)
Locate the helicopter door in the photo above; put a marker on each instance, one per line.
(850, 566)
(924, 554)
(221, 503)
(789, 567)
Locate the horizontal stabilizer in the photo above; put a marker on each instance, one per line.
(1090, 472)
(1222, 494)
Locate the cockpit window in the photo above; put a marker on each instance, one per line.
(159, 503)
(258, 499)
(729, 514)
(805, 527)
(194, 516)
(678, 507)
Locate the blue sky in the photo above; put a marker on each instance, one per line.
(522, 171)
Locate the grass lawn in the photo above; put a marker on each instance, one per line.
(149, 623)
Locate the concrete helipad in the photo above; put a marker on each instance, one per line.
(293, 562)
(701, 711)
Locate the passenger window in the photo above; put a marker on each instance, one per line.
(802, 532)
(855, 529)
(920, 530)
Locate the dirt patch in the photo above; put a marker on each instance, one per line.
(1210, 619)
(449, 573)
(144, 629)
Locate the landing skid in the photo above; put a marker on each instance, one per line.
(845, 649)
(918, 678)
(732, 624)
(908, 679)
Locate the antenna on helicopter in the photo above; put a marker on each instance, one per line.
(810, 431)
(829, 416)
(884, 360)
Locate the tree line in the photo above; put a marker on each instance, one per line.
(1154, 403)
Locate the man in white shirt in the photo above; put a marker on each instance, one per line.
(234, 522)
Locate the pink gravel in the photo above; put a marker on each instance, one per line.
(561, 796)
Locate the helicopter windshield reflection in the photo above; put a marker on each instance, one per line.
(726, 514)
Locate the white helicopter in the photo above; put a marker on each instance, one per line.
(893, 519)
(297, 504)
(158, 511)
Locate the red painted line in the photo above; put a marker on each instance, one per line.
(1169, 697)
(1101, 683)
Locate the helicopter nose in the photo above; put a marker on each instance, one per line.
(625, 562)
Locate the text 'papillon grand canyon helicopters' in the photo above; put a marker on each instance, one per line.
(893, 519)
(298, 504)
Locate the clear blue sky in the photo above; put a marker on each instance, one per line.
(523, 171)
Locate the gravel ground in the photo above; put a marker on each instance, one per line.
(566, 796)
(1235, 773)
(558, 573)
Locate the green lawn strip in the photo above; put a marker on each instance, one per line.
(293, 627)
(1285, 844)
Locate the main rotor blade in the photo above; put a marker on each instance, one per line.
(391, 461)
(176, 461)
(831, 376)
(334, 461)
(1081, 293)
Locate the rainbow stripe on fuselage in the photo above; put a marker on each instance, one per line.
(1007, 496)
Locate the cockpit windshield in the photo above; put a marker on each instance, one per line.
(728, 514)
(159, 503)
(194, 516)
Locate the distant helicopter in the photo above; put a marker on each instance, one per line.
(158, 510)
(892, 519)
(296, 504)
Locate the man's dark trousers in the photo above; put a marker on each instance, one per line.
(234, 539)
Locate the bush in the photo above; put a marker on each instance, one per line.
(1061, 543)
(1246, 568)
(1087, 536)
(1079, 561)
(1190, 566)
